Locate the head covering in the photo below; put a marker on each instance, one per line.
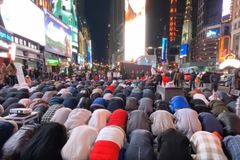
(148, 93)
(98, 103)
(107, 96)
(36, 95)
(25, 101)
(131, 104)
(178, 102)
(97, 90)
(99, 118)
(70, 102)
(202, 97)
(161, 105)
(82, 138)
(6, 131)
(84, 102)
(187, 121)
(46, 143)
(55, 100)
(66, 95)
(110, 88)
(77, 117)
(122, 96)
(115, 103)
(72, 90)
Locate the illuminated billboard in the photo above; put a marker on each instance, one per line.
(183, 50)
(213, 33)
(164, 49)
(134, 29)
(58, 36)
(23, 18)
(223, 48)
(226, 10)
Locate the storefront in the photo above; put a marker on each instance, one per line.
(5, 45)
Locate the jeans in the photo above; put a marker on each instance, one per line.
(192, 85)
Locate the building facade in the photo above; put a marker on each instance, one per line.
(235, 34)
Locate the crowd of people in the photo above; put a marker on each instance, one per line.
(97, 119)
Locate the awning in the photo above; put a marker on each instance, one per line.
(230, 63)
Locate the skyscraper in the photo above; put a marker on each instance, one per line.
(187, 24)
(235, 35)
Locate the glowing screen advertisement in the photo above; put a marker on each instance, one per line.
(183, 50)
(24, 18)
(58, 36)
(213, 33)
(164, 49)
(226, 9)
(134, 29)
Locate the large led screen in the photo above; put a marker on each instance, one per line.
(213, 33)
(134, 29)
(226, 9)
(58, 36)
(24, 18)
(183, 50)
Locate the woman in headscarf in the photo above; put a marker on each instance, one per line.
(161, 120)
(207, 146)
(77, 117)
(111, 138)
(80, 143)
(13, 147)
(99, 119)
(140, 146)
(137, 120)
(171, 138)
(187, 122)
(146, 105)
(46, 144)
(61, 115)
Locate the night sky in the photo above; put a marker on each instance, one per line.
(97, 14)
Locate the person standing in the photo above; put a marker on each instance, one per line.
(193, 76)
(176, 78)
(214, 79)
(12, 72)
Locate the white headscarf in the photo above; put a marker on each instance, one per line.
(99, 118)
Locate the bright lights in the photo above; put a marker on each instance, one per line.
(134, 29)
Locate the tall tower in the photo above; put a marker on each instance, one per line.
(187, 24)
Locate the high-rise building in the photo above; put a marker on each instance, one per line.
(66, 11)
(116, 32)
(187, 24)
(235, 34)
(206, 43)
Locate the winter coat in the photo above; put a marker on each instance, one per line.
(50, 113)
(61, 115)
(84, 102)
(48, 95)
(171, 138)
(140, 146)
(70, 102)
(210, 123)
(99, 119)
(36, 102)
(36, 95)
(6, 130)
(55, 100)
(146, 105)
(187, 122)
(46, 144)
(82, 138)
(231, 144)
(178, 102)
(9, 101)
(13, 147)
(230, 122)
(137, 120)
(160, 121)
(115, 103)
(217, 107)
(199, 106)
(25, 101)
(77, 117)
(118, 118)
(201, 97)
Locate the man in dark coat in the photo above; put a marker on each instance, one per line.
(193, 76)
(214, 79)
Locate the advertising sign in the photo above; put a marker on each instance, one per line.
(183, 50)
(164, 48)
(134, 29)
(223, 48)
(24, 18)
(89, 53)
(213, 33)
(52, 62)
(58, 36)
(150, 60)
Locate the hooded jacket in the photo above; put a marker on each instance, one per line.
(61, 115)
(115, 103)
(131, 104)
(82, 138)
(46, 144)
(36, 95)
(48, 95)
(178, 102)
(99, 118)
(161, 120)
(137, 120)
(70, 102)
(187, 122)
(77, 117)
(118, 118)
(146, 105)
(13, 147)
(140, 146)
(9, 101)
(171, 138)
(230, 122)
(6, 131)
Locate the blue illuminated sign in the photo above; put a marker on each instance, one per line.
(183, 50)
(5, 36)
(164, 49)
